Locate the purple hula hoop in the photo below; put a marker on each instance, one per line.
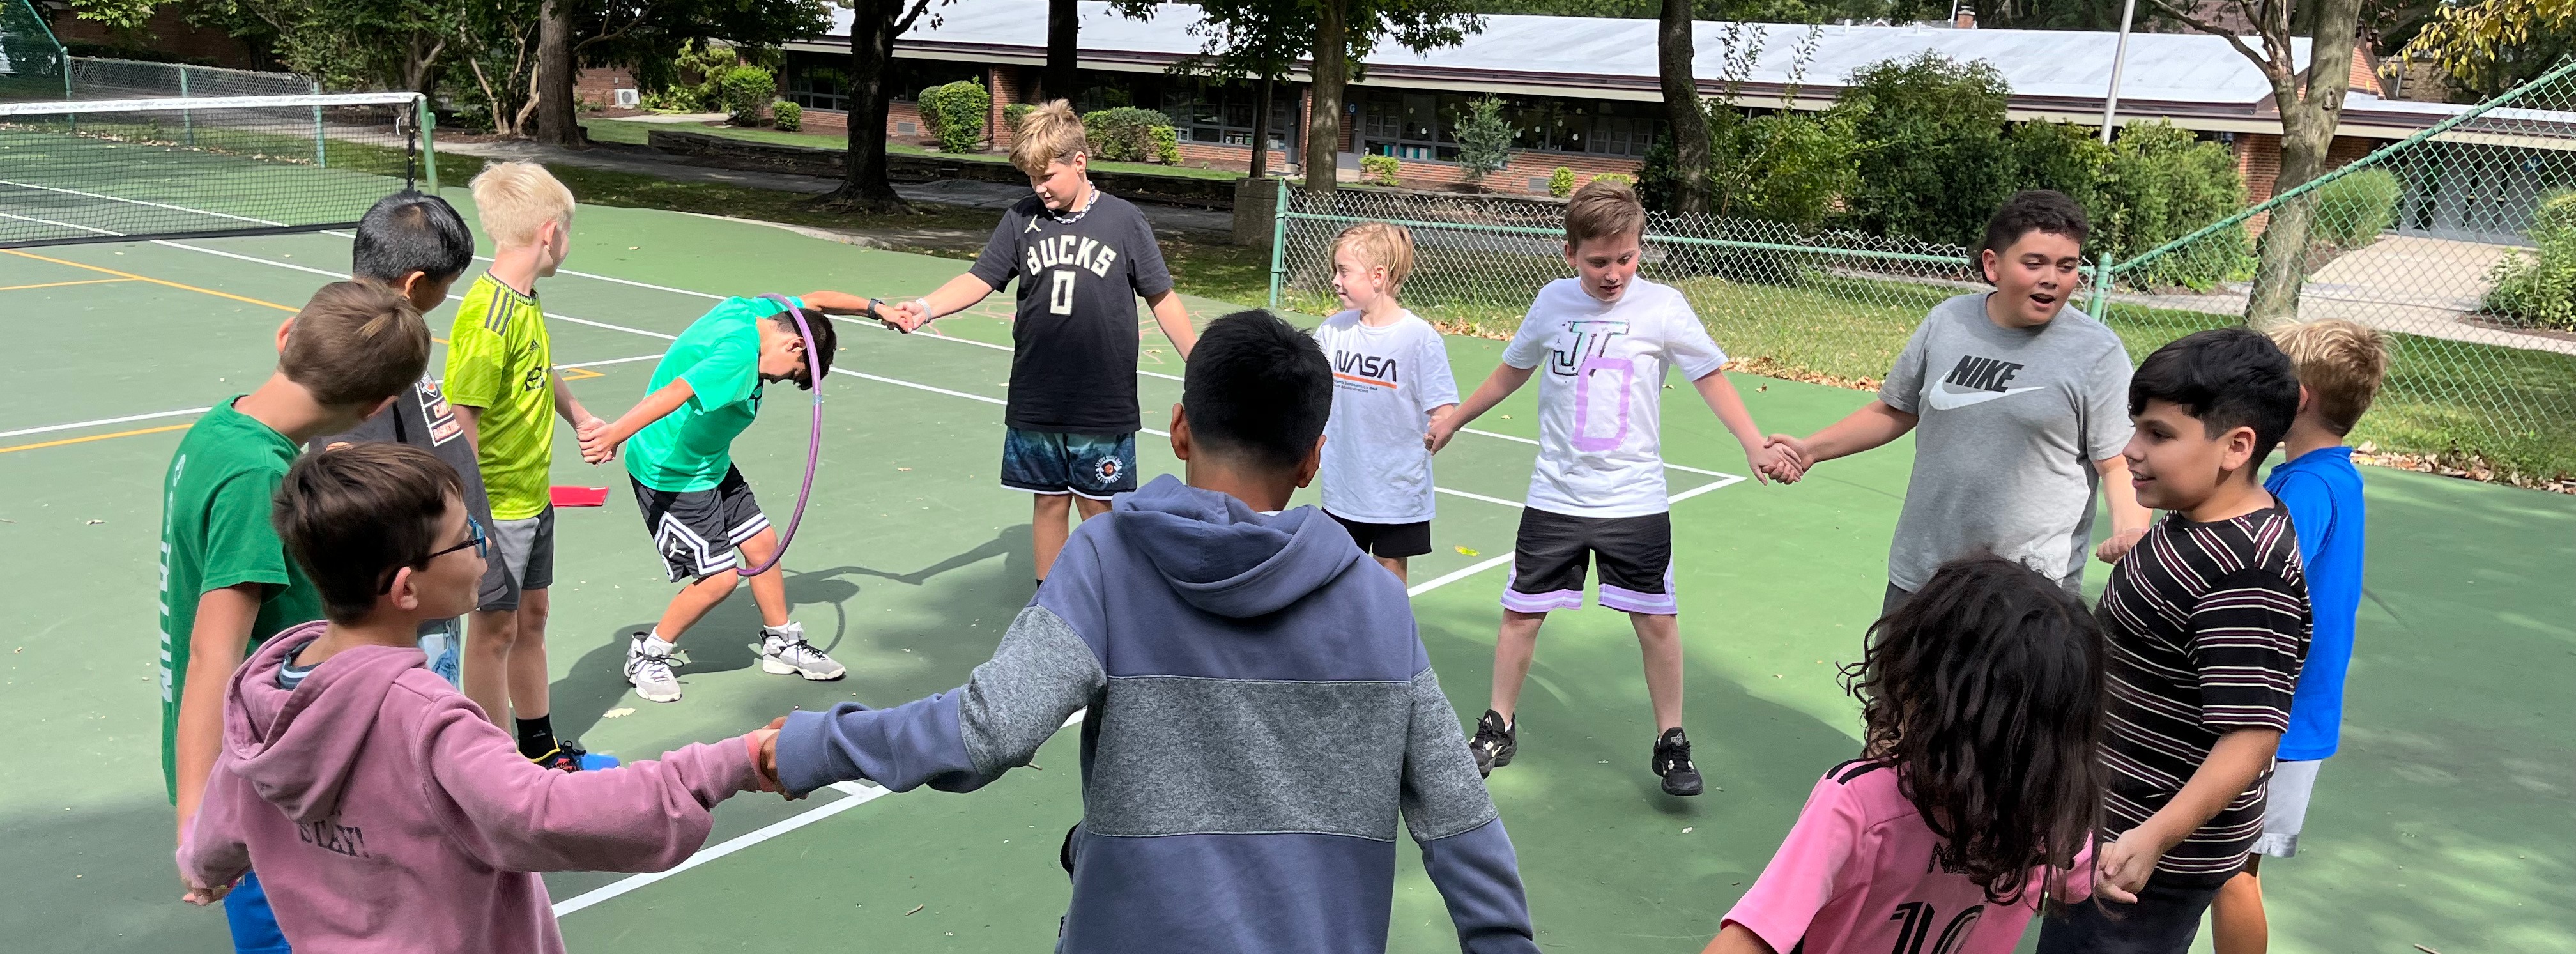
(814, 442)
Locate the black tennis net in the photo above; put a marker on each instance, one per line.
(121, 170)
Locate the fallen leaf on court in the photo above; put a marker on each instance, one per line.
(1033, 766)
(916, 909)
(617, 713)
(903, 468)
(631, 248)
(1507, 417)
(1686, 831)
(1467, 551)
(1762, 387)
(96, 522)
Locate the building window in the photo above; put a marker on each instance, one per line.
(818, 81)
(1222, 113)
(1423, 126)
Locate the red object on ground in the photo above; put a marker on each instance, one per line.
(580, 496)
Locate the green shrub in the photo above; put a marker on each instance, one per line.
(955, 113)
(2540, 290)
(2160, 184)
(744, 90)
(1380, 169)
(1932, 161)
(1790, 167)
(1620, 178)
(1125, 133)
(789, 116)
(1167, 144)
(675, 99)
(2354, 208)
(1011, 114)
(2062, 156)
(1561, 182)
(1484, 138)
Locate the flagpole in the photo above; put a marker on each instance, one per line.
(2119, 59)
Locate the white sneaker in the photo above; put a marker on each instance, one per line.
(784, 651)
(650, 673)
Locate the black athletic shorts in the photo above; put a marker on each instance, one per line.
(697, 531)
(1635, 555)
(1390, 540)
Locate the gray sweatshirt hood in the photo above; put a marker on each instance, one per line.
(1224, 557)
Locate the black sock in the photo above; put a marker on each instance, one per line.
(536, 736)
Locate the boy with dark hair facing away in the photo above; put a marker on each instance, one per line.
(416, 246)
(1608, 339)
(2208, 620)
(1260, 709)
(226, 582)
(1082, 258)
(1981, 706)
(386, 812)
(501, 382)
(696, 505)
(2016, 404)
(2340, 366)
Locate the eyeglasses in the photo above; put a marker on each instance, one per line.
(473, 538)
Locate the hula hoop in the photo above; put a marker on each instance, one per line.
(814, 441)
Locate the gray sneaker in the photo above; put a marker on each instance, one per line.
(784, 651)
(650, 673)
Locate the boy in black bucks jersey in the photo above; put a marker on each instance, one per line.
(1082, 258)
(2207, 619)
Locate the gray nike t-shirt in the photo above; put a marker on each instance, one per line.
(2012, 420)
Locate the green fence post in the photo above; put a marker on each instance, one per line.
(2102, 289)
(428, 152)
(320, 158)
(1278, 239)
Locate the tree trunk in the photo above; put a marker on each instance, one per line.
(1332, 71)
(555, 123)
(1673, 52)
(864, 185)
(2307, 132)
(1064, 39)
(1261, 131)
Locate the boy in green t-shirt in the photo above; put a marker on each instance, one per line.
(501, 383)
(226, 582)
(679, 456)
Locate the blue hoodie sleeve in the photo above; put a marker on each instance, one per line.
(959, 740)
(1464, 847)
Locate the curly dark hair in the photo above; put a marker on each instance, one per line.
(1984, 691)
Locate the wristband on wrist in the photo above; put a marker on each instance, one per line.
(927, 312)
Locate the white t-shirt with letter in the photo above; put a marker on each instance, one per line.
(1601, 369)
(1386, 381)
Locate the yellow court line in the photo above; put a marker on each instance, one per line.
(580, 374)
(156, 281)
(94, 437)
(92, 281)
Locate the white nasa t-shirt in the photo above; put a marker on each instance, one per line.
(1601, 369)
(1386, 382)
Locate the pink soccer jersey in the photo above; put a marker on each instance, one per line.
(1857, 876)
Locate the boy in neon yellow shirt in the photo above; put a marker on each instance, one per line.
(501, 381)
(700, 511)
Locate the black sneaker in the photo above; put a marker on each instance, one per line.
(1494, 743)
(1673, 762)
(565, 758)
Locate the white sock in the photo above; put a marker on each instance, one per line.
(790, 632)
(655, 645)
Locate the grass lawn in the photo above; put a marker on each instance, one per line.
(635, 133)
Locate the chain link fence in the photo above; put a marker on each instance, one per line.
(2459, 244)
(103, 78)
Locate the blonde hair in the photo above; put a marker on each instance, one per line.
(1046, 134)
(1380, 245)
(355, 343)
(515, 199)
(2340, 363)
(1603, 208)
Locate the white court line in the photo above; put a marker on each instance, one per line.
(1514, 504)
(59, 225)
(75, 425)
(157, 205)
(600, 364)
(451, 296)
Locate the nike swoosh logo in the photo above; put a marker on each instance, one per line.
(1943, 398)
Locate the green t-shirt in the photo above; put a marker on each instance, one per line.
(691, 448)
(215, 532)
(499, 359)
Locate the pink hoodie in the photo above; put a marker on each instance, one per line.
(384, 813)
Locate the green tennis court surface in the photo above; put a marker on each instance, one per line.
(2445, 822)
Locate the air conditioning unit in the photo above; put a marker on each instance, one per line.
(628, 98)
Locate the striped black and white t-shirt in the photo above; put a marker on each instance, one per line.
(2208, 625)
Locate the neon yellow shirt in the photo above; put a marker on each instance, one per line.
(498, 359)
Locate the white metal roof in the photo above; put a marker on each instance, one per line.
(1560, 51)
